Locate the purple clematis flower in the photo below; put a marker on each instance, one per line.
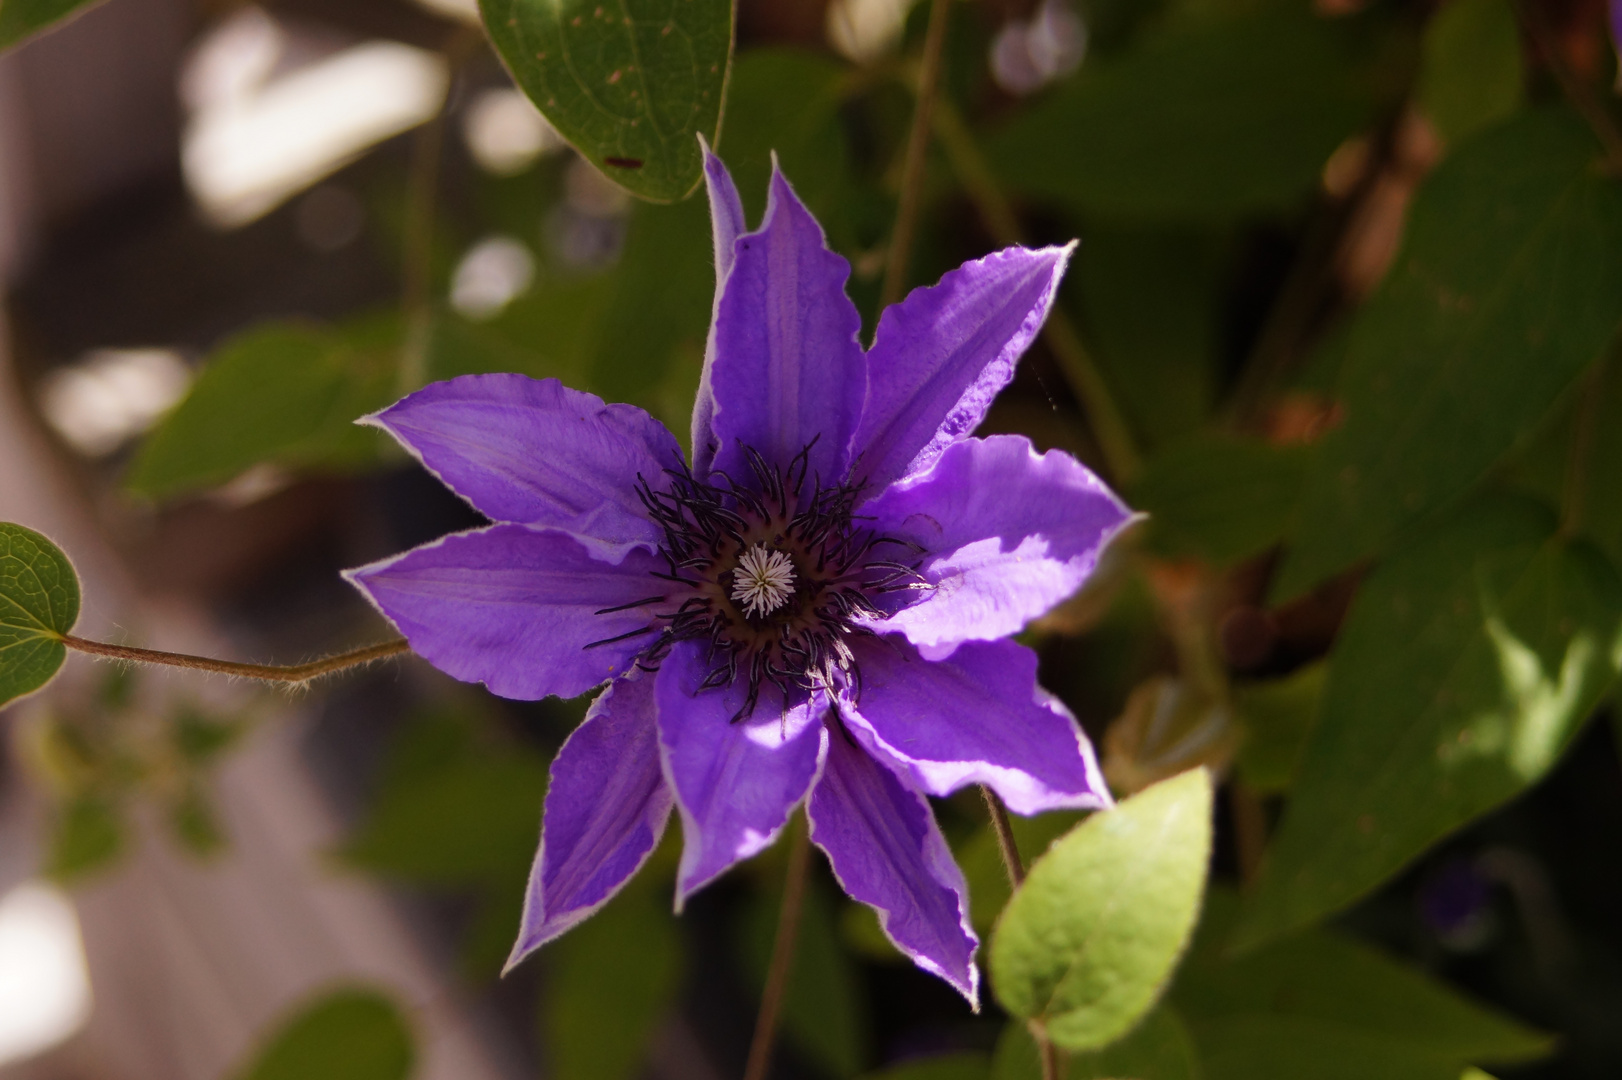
(817, 608)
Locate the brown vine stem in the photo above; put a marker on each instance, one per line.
(912, 169)
(1081, 371)
(782, 962)
(294, 673)
(1011, 861)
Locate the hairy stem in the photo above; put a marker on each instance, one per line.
(1004, 829)
(1051, 1065)
(293, 673)
(782, 962)
(912, 169)
(1081, 371)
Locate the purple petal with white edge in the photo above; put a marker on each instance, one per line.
(735, 782)
(886, 850)
(1010, 533)
(535, 452)
(515, 608)
(787, 368)
(606, 808)
(977, 717)
(727, 223)
(944, 352)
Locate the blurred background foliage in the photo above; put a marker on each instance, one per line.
(1342, 324)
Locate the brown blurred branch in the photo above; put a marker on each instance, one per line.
(912, 170)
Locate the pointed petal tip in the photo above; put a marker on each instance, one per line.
(549, 930)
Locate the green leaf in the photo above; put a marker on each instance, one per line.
(1277, 717)
(20, 19)
(1219, 497)
(282, 393)
(351, 1034)
(1159, 1048)
(946, 1067)
(1508, 288)
(1319, 1006)
(610, 982)
(88, 836)
(630, 85)
(1227, 118)
(39, 603)
(823, 1010)
(1463, 669)
(1472, 74)
(1088, 941)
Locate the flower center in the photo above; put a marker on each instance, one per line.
(774, 575)
(763, 581)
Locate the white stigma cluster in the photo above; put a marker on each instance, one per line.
(763, 581)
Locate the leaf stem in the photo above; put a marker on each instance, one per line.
(912, 169)
(293, 673)
(1015, 866)
(782, 962)
(1081, 371)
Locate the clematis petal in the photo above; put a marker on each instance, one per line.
(1010, 534)
(535, 452)
(886, 850)
(944, 352)
(787, 370)
(606, 808)
(727, 223)
(735, 782)
(977, 717)
(514, 608)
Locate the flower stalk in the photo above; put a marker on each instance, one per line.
(1015, 866)
(782, 961)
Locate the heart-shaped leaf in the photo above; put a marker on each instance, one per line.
(629, 84)
(39, 603)
(1089, 940)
